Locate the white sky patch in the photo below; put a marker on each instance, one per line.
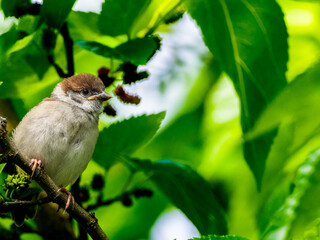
(6, 23)
(88, 6)
(173, 225)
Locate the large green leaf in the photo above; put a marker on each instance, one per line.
(31, 49)
(294, 110)
(2, 165)
(83, 25)
(14, 7)
(249, 39)
(100, 49)
(165, 144)
(188, 191)
(294, 104)
(28, 24)
(138, 51)
(299, 132)
(308, 208)
(22, 66)
(300, 207)
(55, 12)
(118, 16)
(7, 40)
(216, 237)
(125, 137)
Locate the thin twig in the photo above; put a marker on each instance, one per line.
(75, 189)
(120, 197)
(57, 67)
(68, 43)
(9, 206)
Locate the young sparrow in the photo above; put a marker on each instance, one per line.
(60, 133)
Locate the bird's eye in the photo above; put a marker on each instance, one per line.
(84, 91)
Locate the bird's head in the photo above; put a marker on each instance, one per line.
(84, 90)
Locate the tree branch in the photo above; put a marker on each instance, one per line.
(75, 189)
(9, 206)
(57, 67)
(137, 193)
(11, 153)
(68, 44)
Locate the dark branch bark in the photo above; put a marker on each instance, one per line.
(121, 197)
(68, 43)
(9, 206)
(75, 189)
(78, 213)
(57, 67)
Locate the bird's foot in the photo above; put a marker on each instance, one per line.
(35, 163)
(70, 198)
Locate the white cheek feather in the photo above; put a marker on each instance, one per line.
(91, 106)
(59, 93)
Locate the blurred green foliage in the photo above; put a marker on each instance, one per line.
(215, 237)
(242, 148)
(137, 51)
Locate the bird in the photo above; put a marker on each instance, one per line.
(60, 133)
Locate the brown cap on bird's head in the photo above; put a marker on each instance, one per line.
(83, 80)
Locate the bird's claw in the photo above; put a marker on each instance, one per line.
(70, 198)
(35, 163)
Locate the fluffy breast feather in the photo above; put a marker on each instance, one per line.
(62, 136)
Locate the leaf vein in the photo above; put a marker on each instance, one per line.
(237, 59)
(254, 13)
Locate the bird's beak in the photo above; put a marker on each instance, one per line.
(102, 96)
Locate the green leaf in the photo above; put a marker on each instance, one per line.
(270, 216)
(137, 51)
(298, 118)
(188, 191)
(33, 52)
(22, 66)
(20, 44)
(249, 40)
(100, 49)
(13, 7)
(2, 165)
(300, 208)
(294, 104)
(216, 237)
(308, 208)
(83, 25)
(7, 40)
(29, 24)
(118, 16)
(165, 144)
(55, 12)
(125, 137)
